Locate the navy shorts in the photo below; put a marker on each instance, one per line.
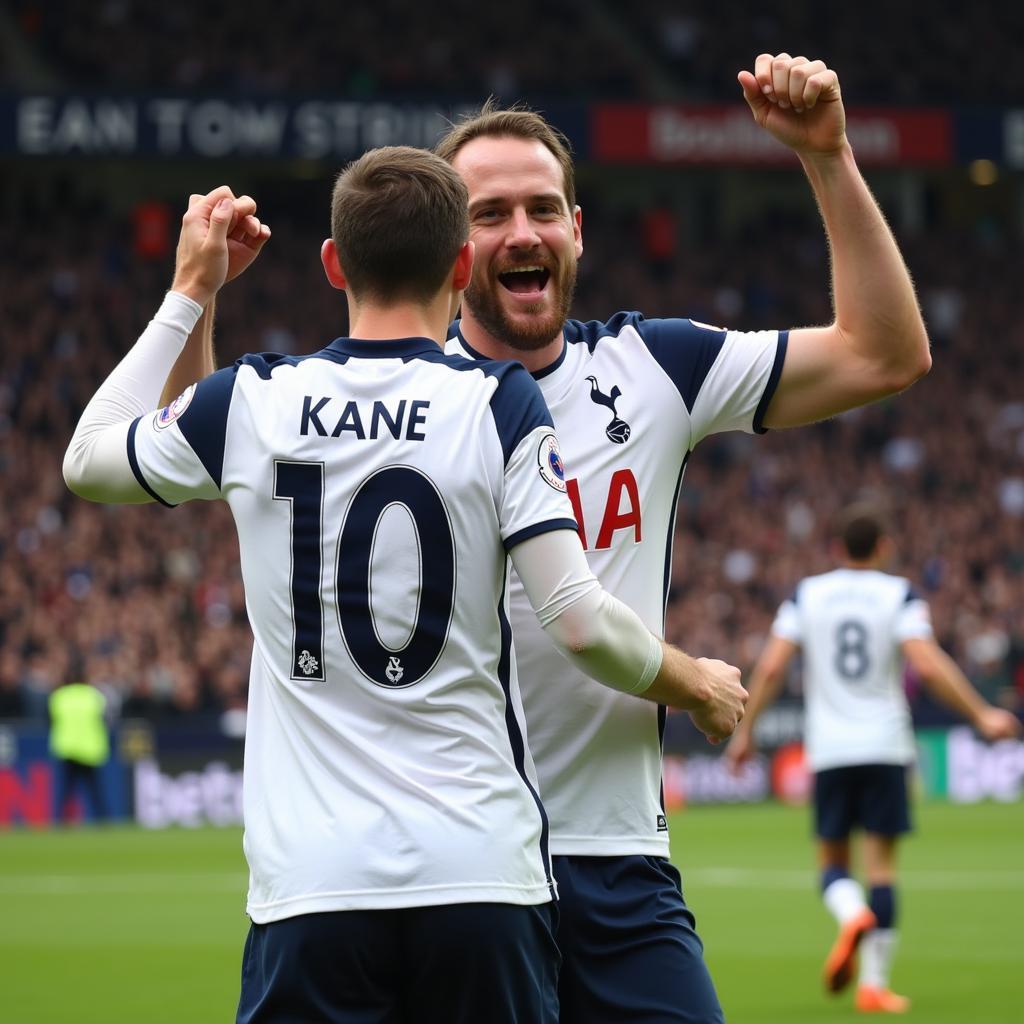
(629, 949)
(871, 796)
(465, 963)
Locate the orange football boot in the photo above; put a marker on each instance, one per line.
(842, 958)
(880, 1000)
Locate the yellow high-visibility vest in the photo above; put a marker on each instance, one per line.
(77, 730)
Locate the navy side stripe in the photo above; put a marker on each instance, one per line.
(515, 734)
(669, 545)
(662, 717)
(773, 383)
(133, 461)
(204, 422)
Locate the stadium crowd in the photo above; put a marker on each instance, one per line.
(150, 604)
(655, 50)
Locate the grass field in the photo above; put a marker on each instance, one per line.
(121, 925)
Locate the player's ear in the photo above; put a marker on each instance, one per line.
(463, 266)
(332, 265)
(577, 230)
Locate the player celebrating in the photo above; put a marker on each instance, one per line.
(855, 625)
(632, 398)
(393, 826)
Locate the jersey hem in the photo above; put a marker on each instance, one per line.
(860, 758)
(603, 846)
(396, 899)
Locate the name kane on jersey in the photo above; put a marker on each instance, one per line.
(350, 420)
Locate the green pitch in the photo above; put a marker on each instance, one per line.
(118, 924)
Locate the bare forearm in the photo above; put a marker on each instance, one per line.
(944, 679)
(876, 309)
(764, 687)
(197, 359)
(709, 689)
(680, 683)
(766, 679)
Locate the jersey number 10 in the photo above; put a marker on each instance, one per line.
(302, 485)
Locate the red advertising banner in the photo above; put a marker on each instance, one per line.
(727, 134)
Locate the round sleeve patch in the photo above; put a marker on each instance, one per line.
(549, 461)
(169, 413)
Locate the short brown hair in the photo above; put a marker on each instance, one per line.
(399, 217)
(518, 122)
(860, 528)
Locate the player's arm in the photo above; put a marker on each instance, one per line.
(246, 237)
(607, 640)
(766, 679)
(96, 463)
(877, 344)
(943, 677)
(197, 359)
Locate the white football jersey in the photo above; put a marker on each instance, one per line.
(375, 487)
(631, 398)
(850, 624)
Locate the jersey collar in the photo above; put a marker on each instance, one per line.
(456, 327)
(392, 348)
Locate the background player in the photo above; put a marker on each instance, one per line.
(632, 398)
(389, 798)
(855, 626)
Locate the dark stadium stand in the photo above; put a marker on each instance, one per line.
(660, 49)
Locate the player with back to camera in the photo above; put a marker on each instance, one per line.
(856, 625)
(631, 399)
(397, 847)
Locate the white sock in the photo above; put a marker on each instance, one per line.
(844, 899)
(876, 951)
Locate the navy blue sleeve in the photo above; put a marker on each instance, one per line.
(204, 421)
(685, 351)
(517, 406)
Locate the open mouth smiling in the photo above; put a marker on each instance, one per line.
(529, 279)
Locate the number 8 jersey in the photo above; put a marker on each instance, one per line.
(376, 488)
(850, 624)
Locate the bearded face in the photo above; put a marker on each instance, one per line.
(527, 242)
(523, 301)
